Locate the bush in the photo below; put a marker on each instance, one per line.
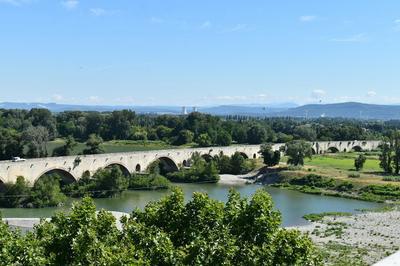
(148, 182)
(354, 175)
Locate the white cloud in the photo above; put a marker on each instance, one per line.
(205, 25)
(307, 18)
(98, 11)
(156, 20)
(318, 94)
(397, 25)
(70, 4)
(101, 12)
(57, 97)
(361, 37)
(94, 99)
(238, 27)
(371, 93)
(15, 2)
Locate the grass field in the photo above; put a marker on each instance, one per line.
(344, 162)
(341, 166)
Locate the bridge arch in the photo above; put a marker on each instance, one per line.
(165, 164)
(313, 151)
(121, 167)
(333, 149)
(244, 155)
(2, 185)
(138, 168)
(65, 176)
(357, 148)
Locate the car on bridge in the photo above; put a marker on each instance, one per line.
(17, 159)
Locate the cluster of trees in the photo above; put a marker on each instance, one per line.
(200, 171)
(25, 133)
(168, 232)
(296, 151)
(45, 192)
(235, 165)
(390, 155)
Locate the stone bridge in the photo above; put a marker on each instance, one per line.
(73, 167)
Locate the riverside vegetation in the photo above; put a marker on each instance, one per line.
(333, 174)
(167, 232)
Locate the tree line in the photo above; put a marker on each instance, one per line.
(25, 133)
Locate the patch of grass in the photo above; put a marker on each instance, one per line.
(315, 217)
(342, 162)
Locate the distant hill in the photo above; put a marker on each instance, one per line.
(344, 110)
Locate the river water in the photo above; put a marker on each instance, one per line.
(292, 204)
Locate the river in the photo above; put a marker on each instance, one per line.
(292, 204)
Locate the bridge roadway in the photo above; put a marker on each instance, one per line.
(73, 167)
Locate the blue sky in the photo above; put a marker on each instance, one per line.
(186, 52)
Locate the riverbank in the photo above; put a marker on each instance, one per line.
(361, 239)
(248, 178)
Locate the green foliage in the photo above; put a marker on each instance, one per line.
(45, 193)
(185, 136)
(204, 140)
(390, 153)
(297, 151)
(148, 182)
(200, 171)
(15, 195)
(270, 157)
(313, 180)
(67, 148)
(359, 162)
(10, 144)
(168, 232)
(316, 217)
(36, 138)
(104, 183)
(94, 145)
(223, 138)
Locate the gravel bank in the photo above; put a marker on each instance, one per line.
(365, 238)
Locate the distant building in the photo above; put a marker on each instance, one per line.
(184, 110)
(195, 109)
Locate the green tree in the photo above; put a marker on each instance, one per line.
(270, 157)
(298, 150)
(67, 149)
(256, 134)
(223, 138)
(386, 157)
(15, 195)
(185, 136)
(94, 145)
(46, 192)
(359, 162)
(10, 144)
(36, 139)
(204, 140)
